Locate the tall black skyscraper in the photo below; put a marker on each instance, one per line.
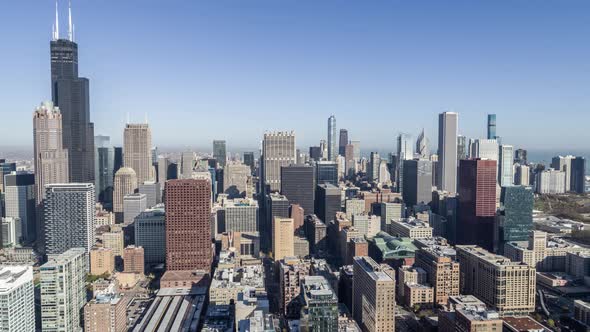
(298, 184)
(417, 182)
(71, 94)
(578, 175)
(343, 142)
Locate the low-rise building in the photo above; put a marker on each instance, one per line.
(107, 312)
(410, 227)
(102, 261)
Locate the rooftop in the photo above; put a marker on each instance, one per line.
(12, 277)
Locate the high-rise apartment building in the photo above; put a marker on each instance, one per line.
(107, 312)
(17, 299)
(298, 184)
(276, 205)
(332, 148)
(137, 154)
(282, 238)
(63, 290)
(492, 126)
(219, 152)
(71, 94)
(292, 271)
(417, 181)
(319, 310)
(373, 167)
(102, 260)
(550, 181)
(125, 183)
(506, 165)
(564, 164)
(343, 142)
(19, 202)
(278, 150)
(441, 269)
(373, 304)
(69, 217)
(51, 159)
(477, 202)
(448, 124)
(150, 234)
(578, 175)
(188, 229)
(11, 232)
(505, 286)
(522, 175)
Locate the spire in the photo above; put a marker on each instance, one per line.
(56, 25)
(70, 29)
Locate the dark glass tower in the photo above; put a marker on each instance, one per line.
(343, 142)
(71, 94)
(298, 184)
(515, 216)
(492, 126)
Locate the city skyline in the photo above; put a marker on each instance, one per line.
(264, 81)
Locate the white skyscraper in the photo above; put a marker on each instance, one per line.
(448, 123)
(137, 151)
(278, 149)
(485, 149)
(63, 290)
(69, 217)
(506, 165)
(564, 164)
(550, 182)
(332, 139)
(17, 299)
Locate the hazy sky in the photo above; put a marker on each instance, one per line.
(204, 70)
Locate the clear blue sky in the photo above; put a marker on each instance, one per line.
(205, 70)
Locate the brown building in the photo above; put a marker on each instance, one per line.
(184, 279)
(188, 229)
(442, 271)
(357, 246)
(283, 238)
(418, 294)
(107, 312)
(292, 272)
(133, 259)
(346, 235)
(408, 275)
(102, 260)
(477, 198)
(298, 215)
(373, 303)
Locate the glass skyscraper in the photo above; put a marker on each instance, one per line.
(492, 126)
(515, 217)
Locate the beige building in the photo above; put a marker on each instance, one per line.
(469, 320)
(354, 206)
(51, 159)
(411, 275)
(373, 302)
(102, 260)
(114, 240)
(410, 227)
(292, 271)
(283, 238)
(137, 151)
(125, 183)
(418, 294)
(235, 180)
(103, 217)
(505, 286)
(443, 272)
(107, 312)
(133, 259)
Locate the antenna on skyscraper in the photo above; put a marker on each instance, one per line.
(56, 25)
(70, 29)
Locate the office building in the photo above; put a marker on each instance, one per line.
(137, 151)
(150, 234)
(104, 171)
(422, 146)
(564, 164)
(250, 161)
(237, 215)
(162, 167)
(292, 271)
(188, 229)
(102, 261)
(409, 275)
(106, 312)
(235, 180)
(343, 142)
(316, 232)
(520, 157)
(405, 151)
(367, 225)
(328, 201)
(462, 147)
(11, 232)
(578, 175)
(282, 238)
(298, 184)
(417, 182)
(492, 126)
(133, 205)
(69, 217)
(326, 172)
(485, 149)
(391, 211)
(125, 183)
(71, 94)
(319, 310)
(63, 290)
(522, 175)
(276, 206)
(219, 152)
(373, 305)
(410, 227)
(354, 206)
(332, 148)
(152, 191)
(515, 215)
(187, 163)
(51, 159)
(505, 165)
(442, 271)
(114, 240)
(17, 299)
(315, 153)
(5, 168)
(19, 200)
(278, 150)
(550, 181)
(477, 202)
(118, 159)
(373, 167)
(448, 124)
(505, 286)
(133, 260)
(469, 319)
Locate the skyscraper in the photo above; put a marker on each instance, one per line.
(249, 160)
(417, 182)
(448, 123)
(326, 172)
(17, 299)
(20, 202)
(332, 149)
(125, 183)
(506, 165)
(564, 163)
(515, 216)
(69, 217)
(298, 184)
(405, 151)
(373, 167)
(343, 142)
(477, 202)
(5, 168)
(219, 152)
(485, 149)
(283, 237)
(188, 229)
(235, 180)
(51, 159)
(319, 305)
(578, 175)
(137, 154)
(278, 149)
(187, 163)
(63, 290)
(520, 157)
(71, 94)
(327, 202)
(492, 126)
(461, 147)
(104, 168)
(422, 146)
